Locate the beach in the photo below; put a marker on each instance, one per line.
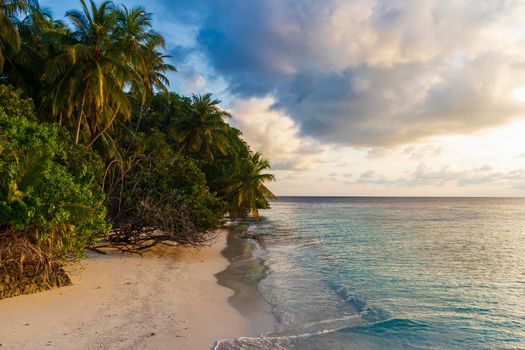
(168, 299)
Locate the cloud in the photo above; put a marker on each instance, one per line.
(370, 177)
(423, 152)
(372, 73)
(376, 152)
(274, 134)
(426, 176)
(519, 185)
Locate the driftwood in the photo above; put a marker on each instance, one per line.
(141, 214)
(155, 223)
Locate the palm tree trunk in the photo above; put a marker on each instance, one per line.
(186, 143)
(79, 122)
(94, 138)
(142, 103)
(77, 132)
(136, 127)
(182, 148)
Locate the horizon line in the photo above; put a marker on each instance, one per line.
(387, 196)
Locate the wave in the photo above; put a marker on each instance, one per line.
(291, 341)
(273, 341)
(369, 313)
(392, 324)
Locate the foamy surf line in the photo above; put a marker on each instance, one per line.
(262, 340)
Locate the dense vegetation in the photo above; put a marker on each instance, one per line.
(50, 188)
(93, 145)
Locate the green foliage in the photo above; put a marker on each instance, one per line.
(160, 178)
(108, 49)
(26, 67)
(246, 191)
(218, 171)
(9, 37)
(13, 104)
(162, 110)
(165, 162)
(49, 188)
(200, 127)
(206, 211)
(197, 129)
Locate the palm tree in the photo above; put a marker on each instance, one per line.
(155, 69)
(201, 129)
(247, 192)
(9, 38)
(91, 72)
(26, 68)
(134, 34)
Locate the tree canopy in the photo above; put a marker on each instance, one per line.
(93, 144)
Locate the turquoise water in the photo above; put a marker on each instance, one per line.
(392, 273)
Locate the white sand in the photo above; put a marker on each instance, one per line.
(129, 302)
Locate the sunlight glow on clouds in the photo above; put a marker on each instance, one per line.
(519, 93)
(377, 73)
(275, 135)
(486, 163)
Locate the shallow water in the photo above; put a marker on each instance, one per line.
(392, 273)
(243, 274)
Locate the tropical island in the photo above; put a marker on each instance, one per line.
(97, 153)
(131, 198)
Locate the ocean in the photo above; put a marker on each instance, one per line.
(391, 273)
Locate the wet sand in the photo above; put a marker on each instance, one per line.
(243, 275)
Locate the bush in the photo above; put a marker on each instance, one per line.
(206, 211)
(13, 104)
(49, 188)
(161, 197)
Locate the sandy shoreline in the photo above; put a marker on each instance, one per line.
(130, 302)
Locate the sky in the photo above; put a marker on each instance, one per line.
(364, 97)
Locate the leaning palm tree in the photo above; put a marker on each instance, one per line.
(9, 37)
(201, 128)
(247, 192)
(88, 77)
